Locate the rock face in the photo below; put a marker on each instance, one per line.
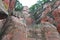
(18, 31)
(15, 30)
(1, 23)
(29, 21)
(56, 14)
(45, 31)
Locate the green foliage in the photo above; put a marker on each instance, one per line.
(34, 7)
(18, 6)
(38, 4)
